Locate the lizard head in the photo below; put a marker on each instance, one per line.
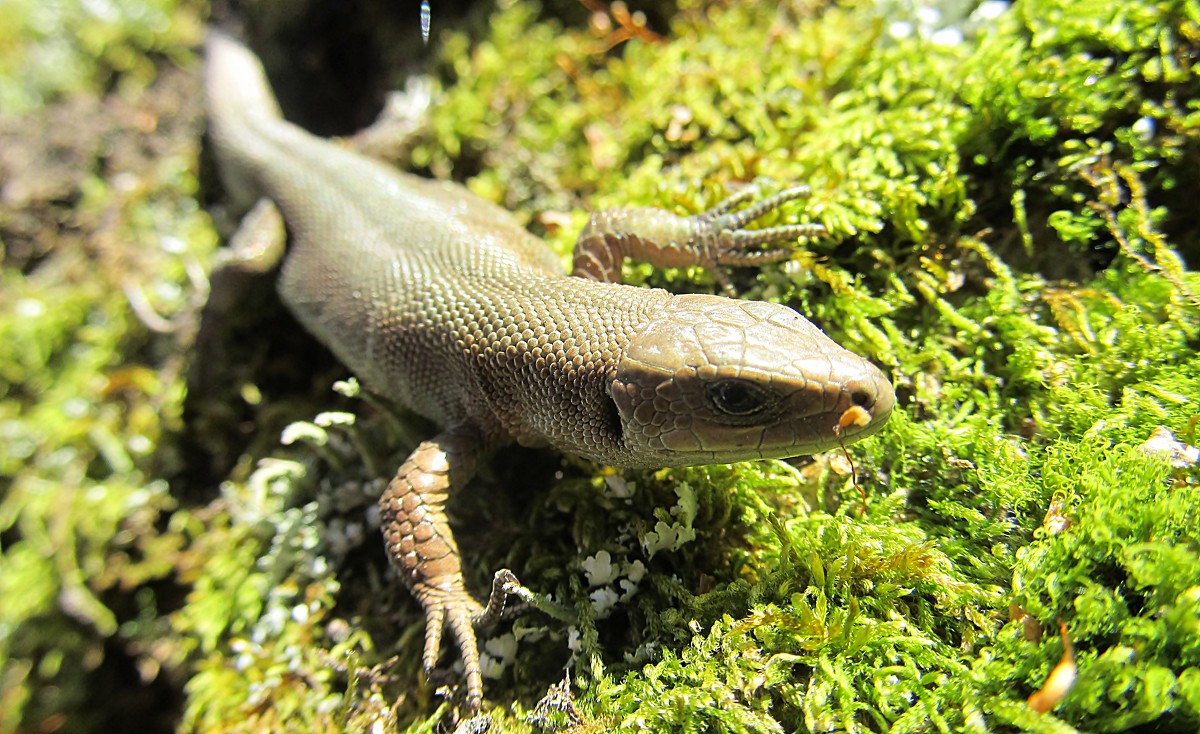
(712, 380)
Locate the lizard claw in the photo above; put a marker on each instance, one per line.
(457, 610)
(503, 583)
(732, 244)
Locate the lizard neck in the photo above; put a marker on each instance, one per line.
(544, 356)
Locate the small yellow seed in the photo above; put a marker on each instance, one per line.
(855, 415)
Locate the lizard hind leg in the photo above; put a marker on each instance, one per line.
(421, 546)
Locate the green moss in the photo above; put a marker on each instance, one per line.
(48, 50)
(91, 533)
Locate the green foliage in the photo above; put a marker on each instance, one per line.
(90, 530)
(1063, 85)
(51, 49)
(1127, 575)
(263, 611)
(845, 640)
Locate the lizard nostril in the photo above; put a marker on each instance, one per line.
(861, 398)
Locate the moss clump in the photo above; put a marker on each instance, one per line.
(49, 50)
(96, 213)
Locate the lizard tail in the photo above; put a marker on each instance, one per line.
(234, 81)
(243, 115)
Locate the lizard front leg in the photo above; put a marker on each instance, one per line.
(709, 239)
(421, 546)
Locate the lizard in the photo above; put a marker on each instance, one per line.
(444, 303)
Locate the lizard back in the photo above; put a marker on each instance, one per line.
(433, 296)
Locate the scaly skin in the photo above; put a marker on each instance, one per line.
(442, 302)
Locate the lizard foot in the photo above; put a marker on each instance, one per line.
(731, 244)
(710, 239)
(458, 611)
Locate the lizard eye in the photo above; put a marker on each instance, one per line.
(737, 397)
